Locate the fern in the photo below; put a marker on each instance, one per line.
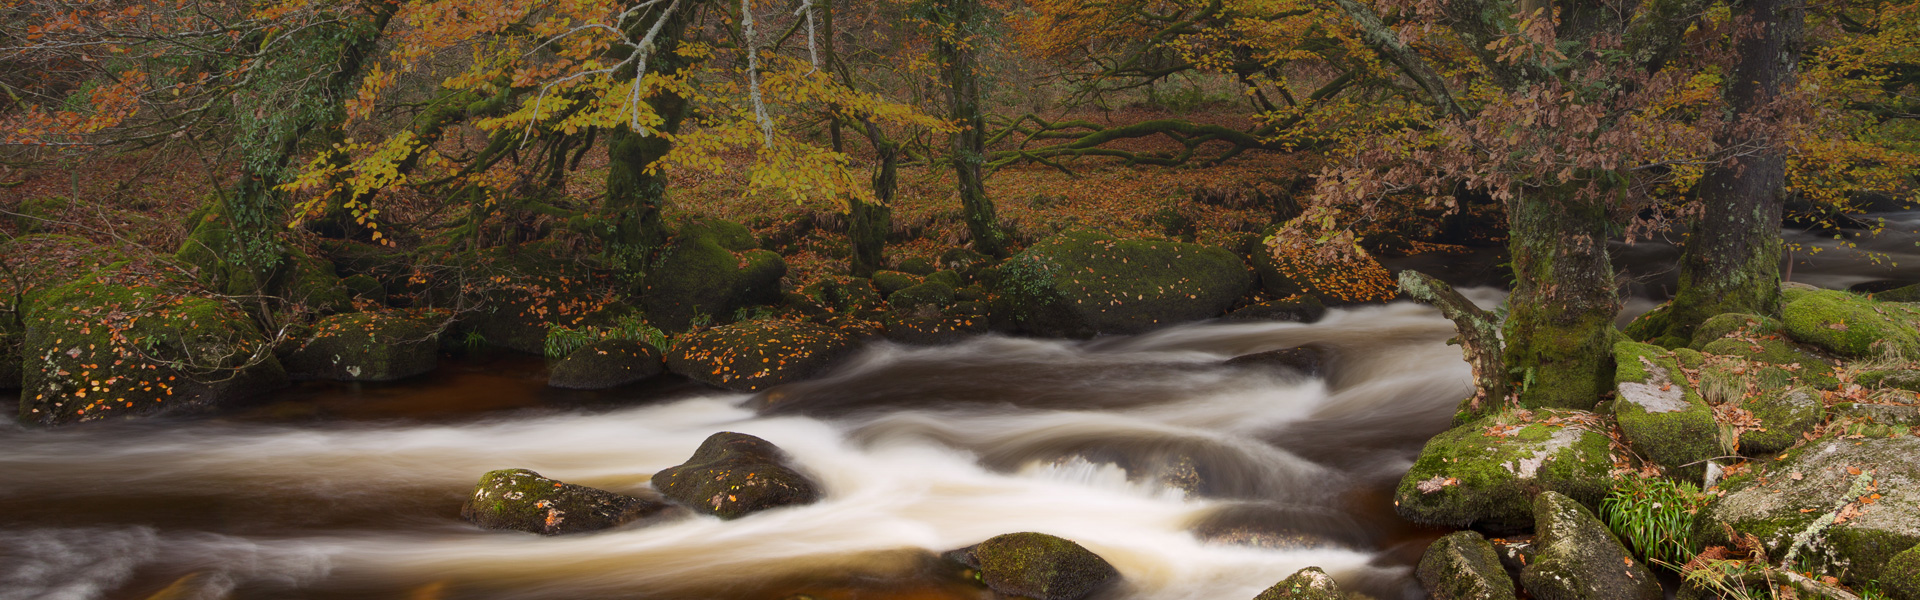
(1654, 516)
(562, 341)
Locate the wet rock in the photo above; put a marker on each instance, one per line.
(370, 346)
(843, 295)
(1851, 325)
(732, 475)
(1463, 566)
(710, 270)
(1283, 526)
(1579, 559)
(1902, 575)
(1485, 474)
(1297, 309)
(606, 364)
(1305, 359)
(1038, 566)
(124, 343)
(889, 282)
(1082, 283)
(1661, 416)
(522, 500)
(933, 330)
(755, 355)
(1846, 506)
(931, 294)
(1310, 583)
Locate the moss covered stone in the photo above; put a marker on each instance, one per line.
(1463, 566)
(1734, 324)
(1843, 506)
(933, 330)
(918, 266)
(1037, 566)
(1486, 473)
(1900, 379)
(843, 295)
(755, 355)
(121, 342)
(1784, 415)
(1659, 414)
(889, 282)
(364, 287)
(711, 269)
(522, 500)
(312, 284)
(1082, 283)
(1310, 583)
(1801, 364)
(1579, 559)
(1909, 293)
(530, 289)
(1902, 575)
(732, 475)
(1852, 325)
(1649, 325)
(606, 364)
(965, 261)
(952, 279)
(1297, 309)
(932, 294)
(369, 346)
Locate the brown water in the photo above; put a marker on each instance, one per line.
(1195, 478)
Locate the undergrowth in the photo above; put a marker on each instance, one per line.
(562, 341)
(1655, 516)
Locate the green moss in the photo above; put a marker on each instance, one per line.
(951, 279)
(755, 355)
(40, 214)
(311, 283)
(522, 500)
(1646, 327)
(1909, 293)
(1902, 575)
(889, 282)
(843, 294)
(1659, 414)
(1485, 473)
(732, 475)
(1310, 583)
(370, 346)
(1463, 566)
(1083, 283)
(364, 287)
(606, 364)
(1038, 566)
(1731, 324)
(918, 266)
(1851, 325)
(1578, 558)
(1785, 415)
(712, 268)
(932, 294)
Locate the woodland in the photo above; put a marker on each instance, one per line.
(202, 201)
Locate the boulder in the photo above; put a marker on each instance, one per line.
(1297, 309)
(1307, 360)
(311, 284)
(522, 500)
(121, 342)
(952, 279)
(733, 475)
(964, 260)
(1579, 559)
(1902, 575)
(710, 270)
(1783, 415)
(888, 282)
(919, 266)
(1310, 583)
(1485, 473)
(11, 337)
(935, 330)
(370, 346)
(364, 287)
(1910, 293)
(1800, 364)
(843, 295)
(932, 295)
(1464, 566)
(1080, 284)
(1846, 506)
(755, 355)
(1659, 414)
(1734, 325)
(606, 364)
(1899, 379)
(530, 289)
(1853, 326)
(1037, 566)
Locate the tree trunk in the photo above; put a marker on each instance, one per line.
(1732, 258)
(634, 196)
(1559, 332)
(1479, 342)
(960, 67)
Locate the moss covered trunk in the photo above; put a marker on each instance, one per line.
(1732, 258)
(635, 196)
(959, 67)
(1559, 332)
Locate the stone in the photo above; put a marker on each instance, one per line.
(1081, 284)
(709, 271)
(964, 260)
(1484, 474)
(1579, 559)
(1853, 326)
(1463, 566)
(1733, 325)
(1784, 414)
(1799, 364)
(522, 500)
(1037, 566)
(606, 364)
(1307, 360)
(755, 355)
(934, 330)
(534, 288)
(1310, 583)
(1296, 309)
(1902, 575)
(733, 475)
(364, 287)
(369, 346)
(919, 265)
(843, 295)
(1910, 293)
(889, 282)
(931, 294)
(1660, 415)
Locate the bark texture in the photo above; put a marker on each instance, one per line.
(961, 69)
(1559, 330)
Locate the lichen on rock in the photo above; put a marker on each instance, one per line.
(1464, 566)
(1660, 414)
(1037, 565)
(1310, 583)
(733, 475)
(1578, 558)
(1485, 473)
(522, 500)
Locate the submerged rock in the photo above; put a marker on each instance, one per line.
(1851, 325)
(1464, 566)
(1486, 473)
(1308, 360)
(522, 500)
(369, 346)
(606, 364)
(756, 355)
(1082, 283)
(732, 475)
(1660, 414)
(1310, 583)
(1037, 565)
(1579, 559)
(1298, 309)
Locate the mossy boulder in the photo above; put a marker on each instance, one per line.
(1734, 325)
(889, 282)
(965, 261)
(1844, 506)
(311, 284)
(364, 287)
(1463, 566)
(530, 289)
(732, 475)
(213, 250)
(121, 343)
(1649, 325)
(1578, 558)
(1297, 309)
(40, 214)
(522, 500)
(952, 279)
(606, 364)
(1081, 283)
(1485, 474)
(710, 270)
(1853, 326)
(1899, 379)
(932, 294)
(1901, 578)
(1310, 583)
(1799, 364)
(1909, 293)
(369, 346)
(1037, 566)
(919, 266)
(933, 330)
(843, 295)
(1660, 415)
(11, 337)
(1783, 416)
(755, 355)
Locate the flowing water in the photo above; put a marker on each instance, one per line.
(1196, 477)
